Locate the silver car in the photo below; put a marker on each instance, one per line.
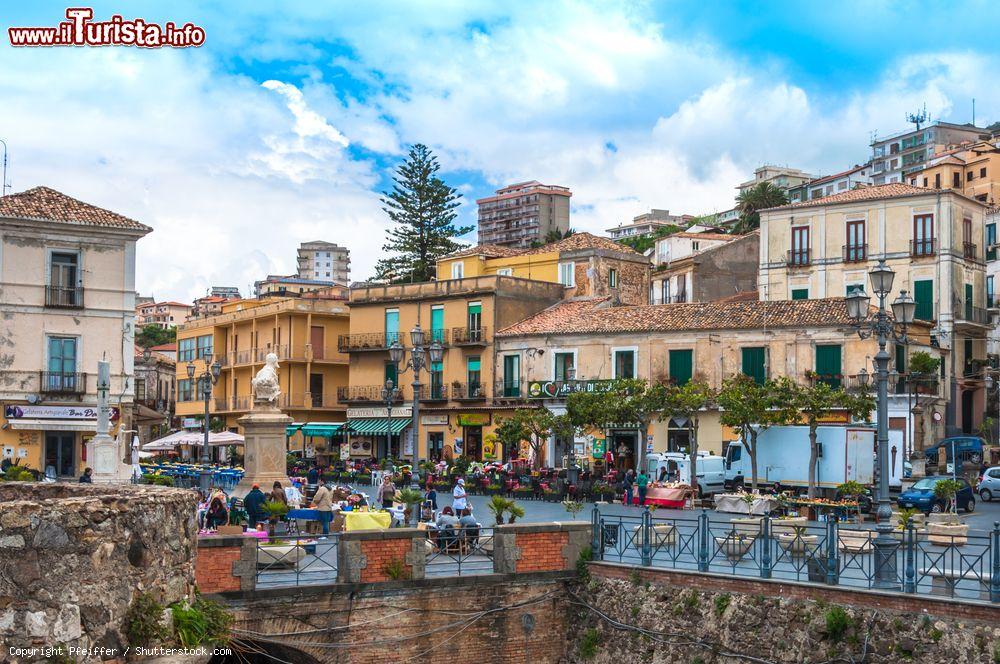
(989, 484)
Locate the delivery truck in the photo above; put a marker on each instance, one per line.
(846, 452)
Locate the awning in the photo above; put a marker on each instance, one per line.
(145, 415)
(376, 425)
(293, 428)
(53, 425)
(324, 429)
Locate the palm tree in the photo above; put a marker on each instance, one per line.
(756, 198)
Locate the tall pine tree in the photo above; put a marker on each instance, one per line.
(422, 207)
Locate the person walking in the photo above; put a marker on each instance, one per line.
(641, 482)
(627, 483)
(387, 491)
(323, 503)
(253, 503)
(459, 498)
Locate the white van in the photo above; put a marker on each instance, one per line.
(711, 470)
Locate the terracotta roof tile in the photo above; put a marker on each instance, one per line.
(870, 193)
(596, 316)
(575, 242)
(745, 296)
(48, 204)
(487, 250)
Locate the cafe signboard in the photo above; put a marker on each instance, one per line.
(560, 389)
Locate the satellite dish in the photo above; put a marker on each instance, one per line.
(32, 399)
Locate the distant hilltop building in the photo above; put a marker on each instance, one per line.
(895, 157)
(276, 285)
(324, 261)
(522, 213)
(782, 177)
(162, 314)
(828, 185)
(646, 224)
(231, 292)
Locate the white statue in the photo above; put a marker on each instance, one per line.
(265, 383)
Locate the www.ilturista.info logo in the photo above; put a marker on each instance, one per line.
(80, 30)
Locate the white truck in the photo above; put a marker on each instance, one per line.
(677, 466)
(846, 452)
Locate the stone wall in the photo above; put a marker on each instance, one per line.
(73, 556)
(682, 617)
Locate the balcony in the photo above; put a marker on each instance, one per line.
(320, 400)
(368, 341)
(969, 251)
(64, 297)
(855, 253)
(468, 336)
(430, 393)
(967, 315)
(53, 382)
(468, 391)
(512, 390)
(365, 394)
(798, 258)
(923, 248)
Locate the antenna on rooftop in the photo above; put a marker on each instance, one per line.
(973, 111)
(3, 182)
(917, 118)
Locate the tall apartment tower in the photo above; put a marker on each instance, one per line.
(522, 213)
(324, 261)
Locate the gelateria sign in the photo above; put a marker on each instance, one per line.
(26, 411)
(560, 389)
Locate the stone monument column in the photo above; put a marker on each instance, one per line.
(264, 434)
(104, 453)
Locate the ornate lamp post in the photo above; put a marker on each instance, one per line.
(418, 361)
(389, 394)
(206, 380)
(884, 327)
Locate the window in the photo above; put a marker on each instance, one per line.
(681, 288)
(566, 275)
(665, 290)
(681, 365)
(800, 293)
(61, 375)
(64, 275)
(457, 270)
(970, 176)
(186, 349)
(475, 318)
(925, 182)
(991, 240)
(512, 375)
(391, 326)
(612, 278)
(140, 389)
(391, 372)
(437, 323)
(755, 363)
(856, 249)
(923, 235)
(937, 180)
(900, 359)
(982, 172)
(185, 389)
(564, 362)
(437, 380)
(989, 291)
(695, 245)
(205, 346)
(799, 253)
(505, 271)
(828, 364)
(472, 366)
(968, 302)
(956, 180)
(624, 363)
(923, 295)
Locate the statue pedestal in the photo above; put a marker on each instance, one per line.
(264, 449)
(105, 457)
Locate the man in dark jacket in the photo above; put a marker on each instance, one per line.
(88, 476)
(253, 503)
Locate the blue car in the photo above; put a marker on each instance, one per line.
(921, 496)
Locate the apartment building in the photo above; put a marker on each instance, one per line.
(460, 401)
(932, 239)
(583, 344)
(972, 168)
(210, 305)
(155, 392)
(275, 285)
(523, 213)
(67, 274)
(301, 332)
(162, 314)
(647, 224)
(782, 177)
(852, 178)
(324, 261)
(704, 267)
(896, 156)
(582, 263)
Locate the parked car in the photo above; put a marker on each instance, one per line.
(968, 448)
(989, 484)
(921, 496)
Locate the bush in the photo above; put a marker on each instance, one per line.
(396, 570)
(16, 473)
(203, 623)
(588, 644)
(586, 555)
(144, 622)
(721, 604)
(837, 623)
(158, 480)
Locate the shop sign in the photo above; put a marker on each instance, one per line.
(473, 419)
(190, 423)
(559, 389)
(14, 412)
(599, 447)
(359, 413)
(434, 419)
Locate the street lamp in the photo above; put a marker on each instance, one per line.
(883, 326)
(388, 396)
(206, 380)
(419, 354)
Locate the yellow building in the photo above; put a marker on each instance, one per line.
(302, 332)
(972, 169)
(459, 397)
(933, 240)
(580, 344)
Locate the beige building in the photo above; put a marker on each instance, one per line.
(648, 223)
(155, 392)
(782, 177)
(324, 261)
(703, 267)
(523, 213)
(973, 169)
(933, 240)
(577, 345)
(67, 274)
(162, 314)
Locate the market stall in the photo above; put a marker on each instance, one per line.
(668, 494)
(738, 503)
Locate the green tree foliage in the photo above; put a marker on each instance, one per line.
(924, 363)
(422, 209)
(817, 400)
(644, 243)
(154, 335)
(752, 200)
(750, 409)
(687, 401)
(534, 425)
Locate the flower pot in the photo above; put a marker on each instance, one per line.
(855, 541)
(787, 525)
(749, 526)
(734, 546)
(948, 534)
(798, 545)
(663, 535)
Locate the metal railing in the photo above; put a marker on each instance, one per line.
(368, 341)
(919, 561)
(57, 382)
(433, 392)
(67, 297)
(919, 248)
(855, 253)
(468, 336)
(346, 394)
(970, 314)
(468, 392)
(296, 560)
(798, 257)
(508, 390)
(459, 551)
(969, 250)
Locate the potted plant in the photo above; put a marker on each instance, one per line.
(798, 543)
(523, 492)
(749, 525)
(552, 495)
(855, 490)
(514, 512)
(602, 492)
(493, 489)
(946, 529)
(409, 497)
(498, 506)
(275, 511)
(735, 545)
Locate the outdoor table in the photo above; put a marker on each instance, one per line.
(728, 502)
(303, 514)
(667, 496)
(366, 520)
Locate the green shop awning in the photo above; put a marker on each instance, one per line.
(293, 428)
(324, 429)
(376, 425)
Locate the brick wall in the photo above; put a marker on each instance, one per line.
(225, 564)
(541, 552)
(380, 553)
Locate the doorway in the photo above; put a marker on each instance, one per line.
(473, 443)
(60, 453)
(967, 409)
(316, 338)
(623, 444)
(435, 445)
(316, 389)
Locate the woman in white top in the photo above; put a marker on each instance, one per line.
(460, 501)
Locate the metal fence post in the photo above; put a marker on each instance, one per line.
(832, 553)
(703, 532)
(765, 551)
(909, 569)
(646, 541)
(995, 549)
(596, 550)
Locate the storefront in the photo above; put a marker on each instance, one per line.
(624, 445)
(319, 440)
(435, 428)
(50, 438)
(471, 425)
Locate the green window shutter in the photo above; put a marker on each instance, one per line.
(391, 327)
(800, 293)
(968, 302)
(511, 375)
(828, 364)
(681, 365)
(923, 294)
(437, 324)
(392, 373)
(754, 364)
(901, 358)
(991, 239)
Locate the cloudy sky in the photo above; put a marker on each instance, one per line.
(286, 125)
